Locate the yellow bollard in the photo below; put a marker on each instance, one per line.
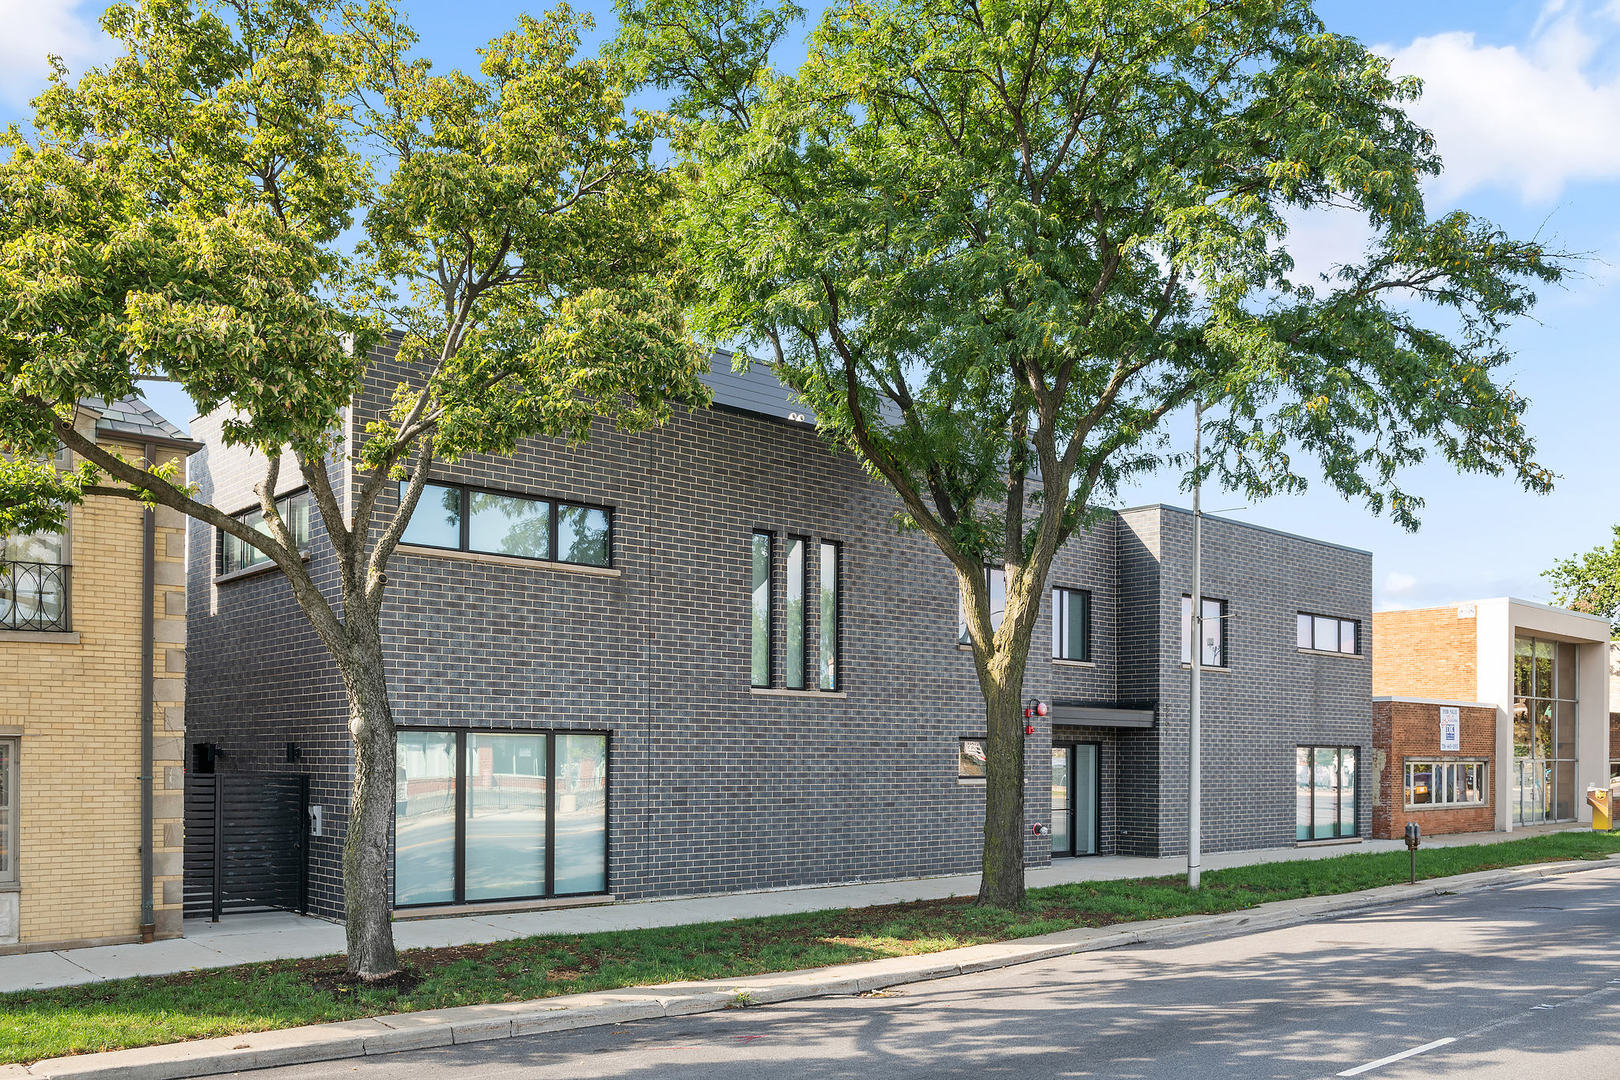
(1602, 812)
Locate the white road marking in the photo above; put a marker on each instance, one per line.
(1402, 1056)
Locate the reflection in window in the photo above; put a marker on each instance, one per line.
(1071, 624)
(466, 519)
(794, 615)
(582, 535)
(995, 580)
(581, 828)
(504, 525)
(236, 554)
(1545, 723)
(505, 816)
(8, 810)
(1324, 633)
(34, 580)
(1445, 783)
(829, 616)
(1325, 792)
(1214, 627)
(425, 818)
(761, 610)
(970, 761)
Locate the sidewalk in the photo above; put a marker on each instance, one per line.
(243, 939)
(391, 1033)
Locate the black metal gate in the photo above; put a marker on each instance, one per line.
(245, 846)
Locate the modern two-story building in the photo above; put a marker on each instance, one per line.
(703, 659)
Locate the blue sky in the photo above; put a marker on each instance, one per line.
(1524, 99)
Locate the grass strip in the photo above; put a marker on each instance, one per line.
(291, 993)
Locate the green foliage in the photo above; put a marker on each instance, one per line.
(995, 242)
(139, 1012)
(258, 191)
(1590, 582)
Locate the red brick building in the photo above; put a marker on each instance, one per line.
(1444, 786)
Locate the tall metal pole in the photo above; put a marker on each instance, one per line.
(1195, 719)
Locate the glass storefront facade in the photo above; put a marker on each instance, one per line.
(499, 816)
(1544, 725)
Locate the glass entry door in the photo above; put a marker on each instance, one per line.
(1074, 799)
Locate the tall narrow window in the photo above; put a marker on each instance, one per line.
(793, 666)
(8, 810)
(1071, 624)
(762, 610)
(1325, 792)
(1213, 653)
(829, 616)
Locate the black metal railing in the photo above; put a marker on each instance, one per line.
(34, 596)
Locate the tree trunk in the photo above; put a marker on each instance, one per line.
(366, 904)
(1002, 884)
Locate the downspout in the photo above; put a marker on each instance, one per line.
(148, 598)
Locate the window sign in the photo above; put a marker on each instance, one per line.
(1450, 727)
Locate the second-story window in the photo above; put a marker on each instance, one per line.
(34, 574)
(1213, 653)
(1324, 633)
(794, 615)
(761, 667)
(995, 579)
(463, 518)
(830, 604)
(1071, 624)
(235, 554)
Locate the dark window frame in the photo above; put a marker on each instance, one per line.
(1340, 619)
(1225, 643)
(220, 535)
(1355, 803)
(961, 747)
(836, 670)
(460, 856)
(964, 635)
(553, 505)
(804, 665)
(770, 608)
(1068, 747)
(1085, 645)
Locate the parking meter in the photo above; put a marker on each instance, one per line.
(1413, 835)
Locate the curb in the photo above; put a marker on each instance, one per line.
(479, 1023)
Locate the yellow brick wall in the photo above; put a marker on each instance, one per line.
(1425, 653)
(77, 708)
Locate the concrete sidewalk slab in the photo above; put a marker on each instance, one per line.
(477, 1023)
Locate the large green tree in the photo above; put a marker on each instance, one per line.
(995, 243)
(245, 202)
(1590, 582)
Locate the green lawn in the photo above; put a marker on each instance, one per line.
(257, 997)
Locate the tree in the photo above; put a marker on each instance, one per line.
(245, 201)
(995, 243)
(1590, 582)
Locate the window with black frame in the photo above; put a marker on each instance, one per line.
(485, 816)
(1325, 792)
(1327, 633)
(1071, 624)
(237, 554)
(463, 518)
(1214, 632)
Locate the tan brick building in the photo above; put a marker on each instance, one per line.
(1543, 671)
(93, 637)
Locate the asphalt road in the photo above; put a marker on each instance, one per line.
(1515, 984)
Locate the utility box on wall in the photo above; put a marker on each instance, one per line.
(1436, 765)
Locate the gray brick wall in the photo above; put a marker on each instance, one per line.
(715, 787)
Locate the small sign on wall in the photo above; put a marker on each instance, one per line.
(1450, 727)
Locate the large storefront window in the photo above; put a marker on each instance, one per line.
(499, 816)
(1544, 690)
(1325, 792)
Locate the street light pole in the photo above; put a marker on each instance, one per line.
(1195, 718)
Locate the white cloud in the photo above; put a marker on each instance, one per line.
(36, 29)
(1398, 584)
(1531, 119)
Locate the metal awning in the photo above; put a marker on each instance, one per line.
(1100, 716)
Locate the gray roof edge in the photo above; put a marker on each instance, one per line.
(1169, 508)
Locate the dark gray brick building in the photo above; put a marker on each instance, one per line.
(710, 783)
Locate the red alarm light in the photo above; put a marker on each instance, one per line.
(1029, 729)
(1040, 708)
